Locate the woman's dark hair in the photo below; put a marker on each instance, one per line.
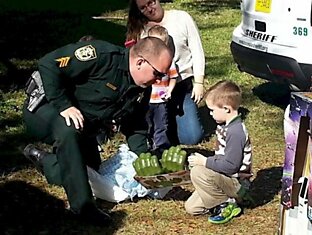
(136, 21)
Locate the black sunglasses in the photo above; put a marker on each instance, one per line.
(156, 73)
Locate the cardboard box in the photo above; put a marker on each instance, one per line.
(296, 130)
(165, 180)
(296, 195)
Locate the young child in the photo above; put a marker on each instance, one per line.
(222, 179)
(157, 116)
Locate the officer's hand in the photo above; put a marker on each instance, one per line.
(198, 91)
(197, 159)
(75, 115)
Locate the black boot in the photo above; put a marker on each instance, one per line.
(35, 155)
(94, 216)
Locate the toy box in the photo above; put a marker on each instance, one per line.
(165, 180)
(296, 195)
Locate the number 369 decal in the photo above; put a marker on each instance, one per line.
(300, 31)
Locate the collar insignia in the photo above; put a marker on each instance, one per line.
(141, 95)
(63, 61)
(85, 53)
(111, 86)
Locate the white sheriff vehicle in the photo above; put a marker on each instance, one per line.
(274, 41)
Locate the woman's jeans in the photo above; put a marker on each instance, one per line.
(184, 122)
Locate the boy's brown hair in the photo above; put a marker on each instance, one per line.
(160, 31)
(224, 93)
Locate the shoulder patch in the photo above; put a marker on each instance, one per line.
(63, 61)
(85, 53)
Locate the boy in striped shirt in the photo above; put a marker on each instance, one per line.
(222, 180)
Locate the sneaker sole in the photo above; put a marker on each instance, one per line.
(235, 212)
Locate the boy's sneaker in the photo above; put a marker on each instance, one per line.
(227, 211)
(212, 211)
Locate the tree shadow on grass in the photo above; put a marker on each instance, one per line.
(37, 35)
(266, 185)
(277, 94)
(25, 209)
(13, 139)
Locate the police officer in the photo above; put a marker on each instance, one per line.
(87, 84)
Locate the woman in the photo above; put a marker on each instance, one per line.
(190, 60)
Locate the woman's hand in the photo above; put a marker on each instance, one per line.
(197, 92)
(72, 113)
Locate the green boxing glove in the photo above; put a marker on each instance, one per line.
(179, 159)
(147, 165)
(155, 165)
(137, 167)
(141, 165)
(163, 160)
(166, 160)
(174, 159)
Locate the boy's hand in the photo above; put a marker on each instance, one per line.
(167, 96)
(197, 159)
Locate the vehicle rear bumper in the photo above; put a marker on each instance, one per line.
(272, 67)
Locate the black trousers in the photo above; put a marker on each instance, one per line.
(74, 149)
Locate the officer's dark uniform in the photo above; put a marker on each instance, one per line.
(94, 77)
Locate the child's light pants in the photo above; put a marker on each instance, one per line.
(211, 189)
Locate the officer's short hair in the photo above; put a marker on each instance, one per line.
(149, 46)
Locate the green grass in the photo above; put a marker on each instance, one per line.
(31, 206)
